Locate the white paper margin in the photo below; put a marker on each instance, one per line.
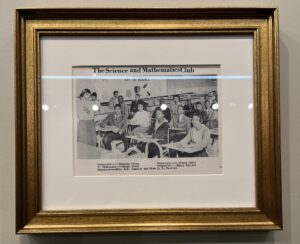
(235, 188)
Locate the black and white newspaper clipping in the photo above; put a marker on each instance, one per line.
(146, 120)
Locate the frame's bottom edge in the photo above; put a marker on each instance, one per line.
(85, 229)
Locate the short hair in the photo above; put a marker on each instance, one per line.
(162, 111)
(207, 101)
(84, 91)
(115, 92)
(162, 100)
(199, 115)
(140, 102)
(121, 97)
(209, 111)
(94, 94)
(117, 106)
(176, 96)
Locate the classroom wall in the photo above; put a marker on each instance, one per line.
(197, 86)
(290, 125)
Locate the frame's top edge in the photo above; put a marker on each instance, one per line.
(146, 13)
(149, 8)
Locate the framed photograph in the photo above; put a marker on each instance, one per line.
(147, 120)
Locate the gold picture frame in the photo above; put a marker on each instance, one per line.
(261, 23)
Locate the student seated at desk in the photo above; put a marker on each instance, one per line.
(197, 137)
(200, 109)
(189, 108)
(141, 120)
(158, 130)
(212, 121)
(134, 105)
(167, 112)
(118, 123)
(174, 104)
(179, 121)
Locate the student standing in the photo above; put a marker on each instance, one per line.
(86, 132)
(114, 100)
(124, 108)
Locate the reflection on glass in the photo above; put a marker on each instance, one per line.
(95, 107)
(163, 106)
(215, 106)
(45, 107)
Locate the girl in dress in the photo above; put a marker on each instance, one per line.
(86, 132)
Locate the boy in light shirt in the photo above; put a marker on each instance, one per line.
(197, 137)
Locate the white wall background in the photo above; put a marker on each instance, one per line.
(290, 123)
